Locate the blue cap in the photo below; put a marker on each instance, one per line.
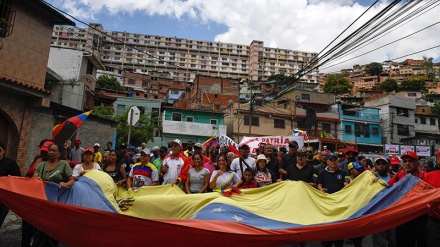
(331, 155)
(354, 165)
(132, 148)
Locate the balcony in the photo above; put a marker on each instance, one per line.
(364, 115)
(191, 128)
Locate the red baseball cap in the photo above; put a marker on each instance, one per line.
(409, 154)
(89, 149)
(46, 145)
(438, 152)
(351, 149)
(394, 160)
(77, 141)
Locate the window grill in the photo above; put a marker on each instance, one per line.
(7, 17)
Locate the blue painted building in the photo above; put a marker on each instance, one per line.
(360, 126)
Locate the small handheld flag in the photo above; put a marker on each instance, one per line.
(297, 132)
(76, 120)
(212, 141)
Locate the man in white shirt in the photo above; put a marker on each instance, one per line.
(238, 165)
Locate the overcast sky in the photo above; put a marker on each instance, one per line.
(290, 24)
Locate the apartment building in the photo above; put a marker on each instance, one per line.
(397, 117)
(182, 59)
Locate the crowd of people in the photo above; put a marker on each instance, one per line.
(200, 169)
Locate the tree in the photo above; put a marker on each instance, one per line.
(413, 84)
(428, 65)
(141, 132)
(109, 82)
(337, 84)
(103, 111)
(281, 79)
(435, 110)
(374, 68)
(388, 85)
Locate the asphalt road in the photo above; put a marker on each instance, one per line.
(10, 234)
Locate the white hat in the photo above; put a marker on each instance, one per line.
(146, 151)
(96, 145)
(262, 157)
(177, 141)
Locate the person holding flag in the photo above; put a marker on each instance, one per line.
(77, 120)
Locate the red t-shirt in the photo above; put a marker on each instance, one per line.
(433, 179)
(401, 174)
(253, 184)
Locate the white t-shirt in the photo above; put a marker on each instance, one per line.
(235, 165)
(224, 181)
(79, 168)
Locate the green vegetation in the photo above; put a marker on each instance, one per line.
(414, 84)
(374, 68)
(141, 132)
(109, 82)
(103, 111)
(337, 84)
(389, 85)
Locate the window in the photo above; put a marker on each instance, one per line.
(375, 131)
(403, 112)
(305, 96)
(279, 123)
(432, 121)
(422, 120)
(130, 81)
(361, 130)
(120, 109)
(177, 116)
(89, 69)
(144, 83)
(155, 115)
(189, 119)
(416, 120)
(254, 122)
(326, 127)
(412, 94)
(213, 121)
(403, 130)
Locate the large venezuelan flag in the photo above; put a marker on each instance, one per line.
(283, 213)
(76, 120)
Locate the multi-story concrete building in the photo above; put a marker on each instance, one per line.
(397, 117)
(182, 59)
(360, 126)
(77, 71)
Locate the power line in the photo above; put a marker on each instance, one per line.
(380, 47)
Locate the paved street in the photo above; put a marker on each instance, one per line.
(10, 234)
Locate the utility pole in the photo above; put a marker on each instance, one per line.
(392, 127)
(250, 107)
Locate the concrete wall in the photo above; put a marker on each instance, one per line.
(42, 124)
(71, 66)
(66, 63)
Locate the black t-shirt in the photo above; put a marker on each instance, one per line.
(115, 174)
(332, 181)
(9, 167)
(126, 162)
(305, 174)
(273, 166)
(313, 162)
(286, 161)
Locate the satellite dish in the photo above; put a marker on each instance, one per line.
(231, 102)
